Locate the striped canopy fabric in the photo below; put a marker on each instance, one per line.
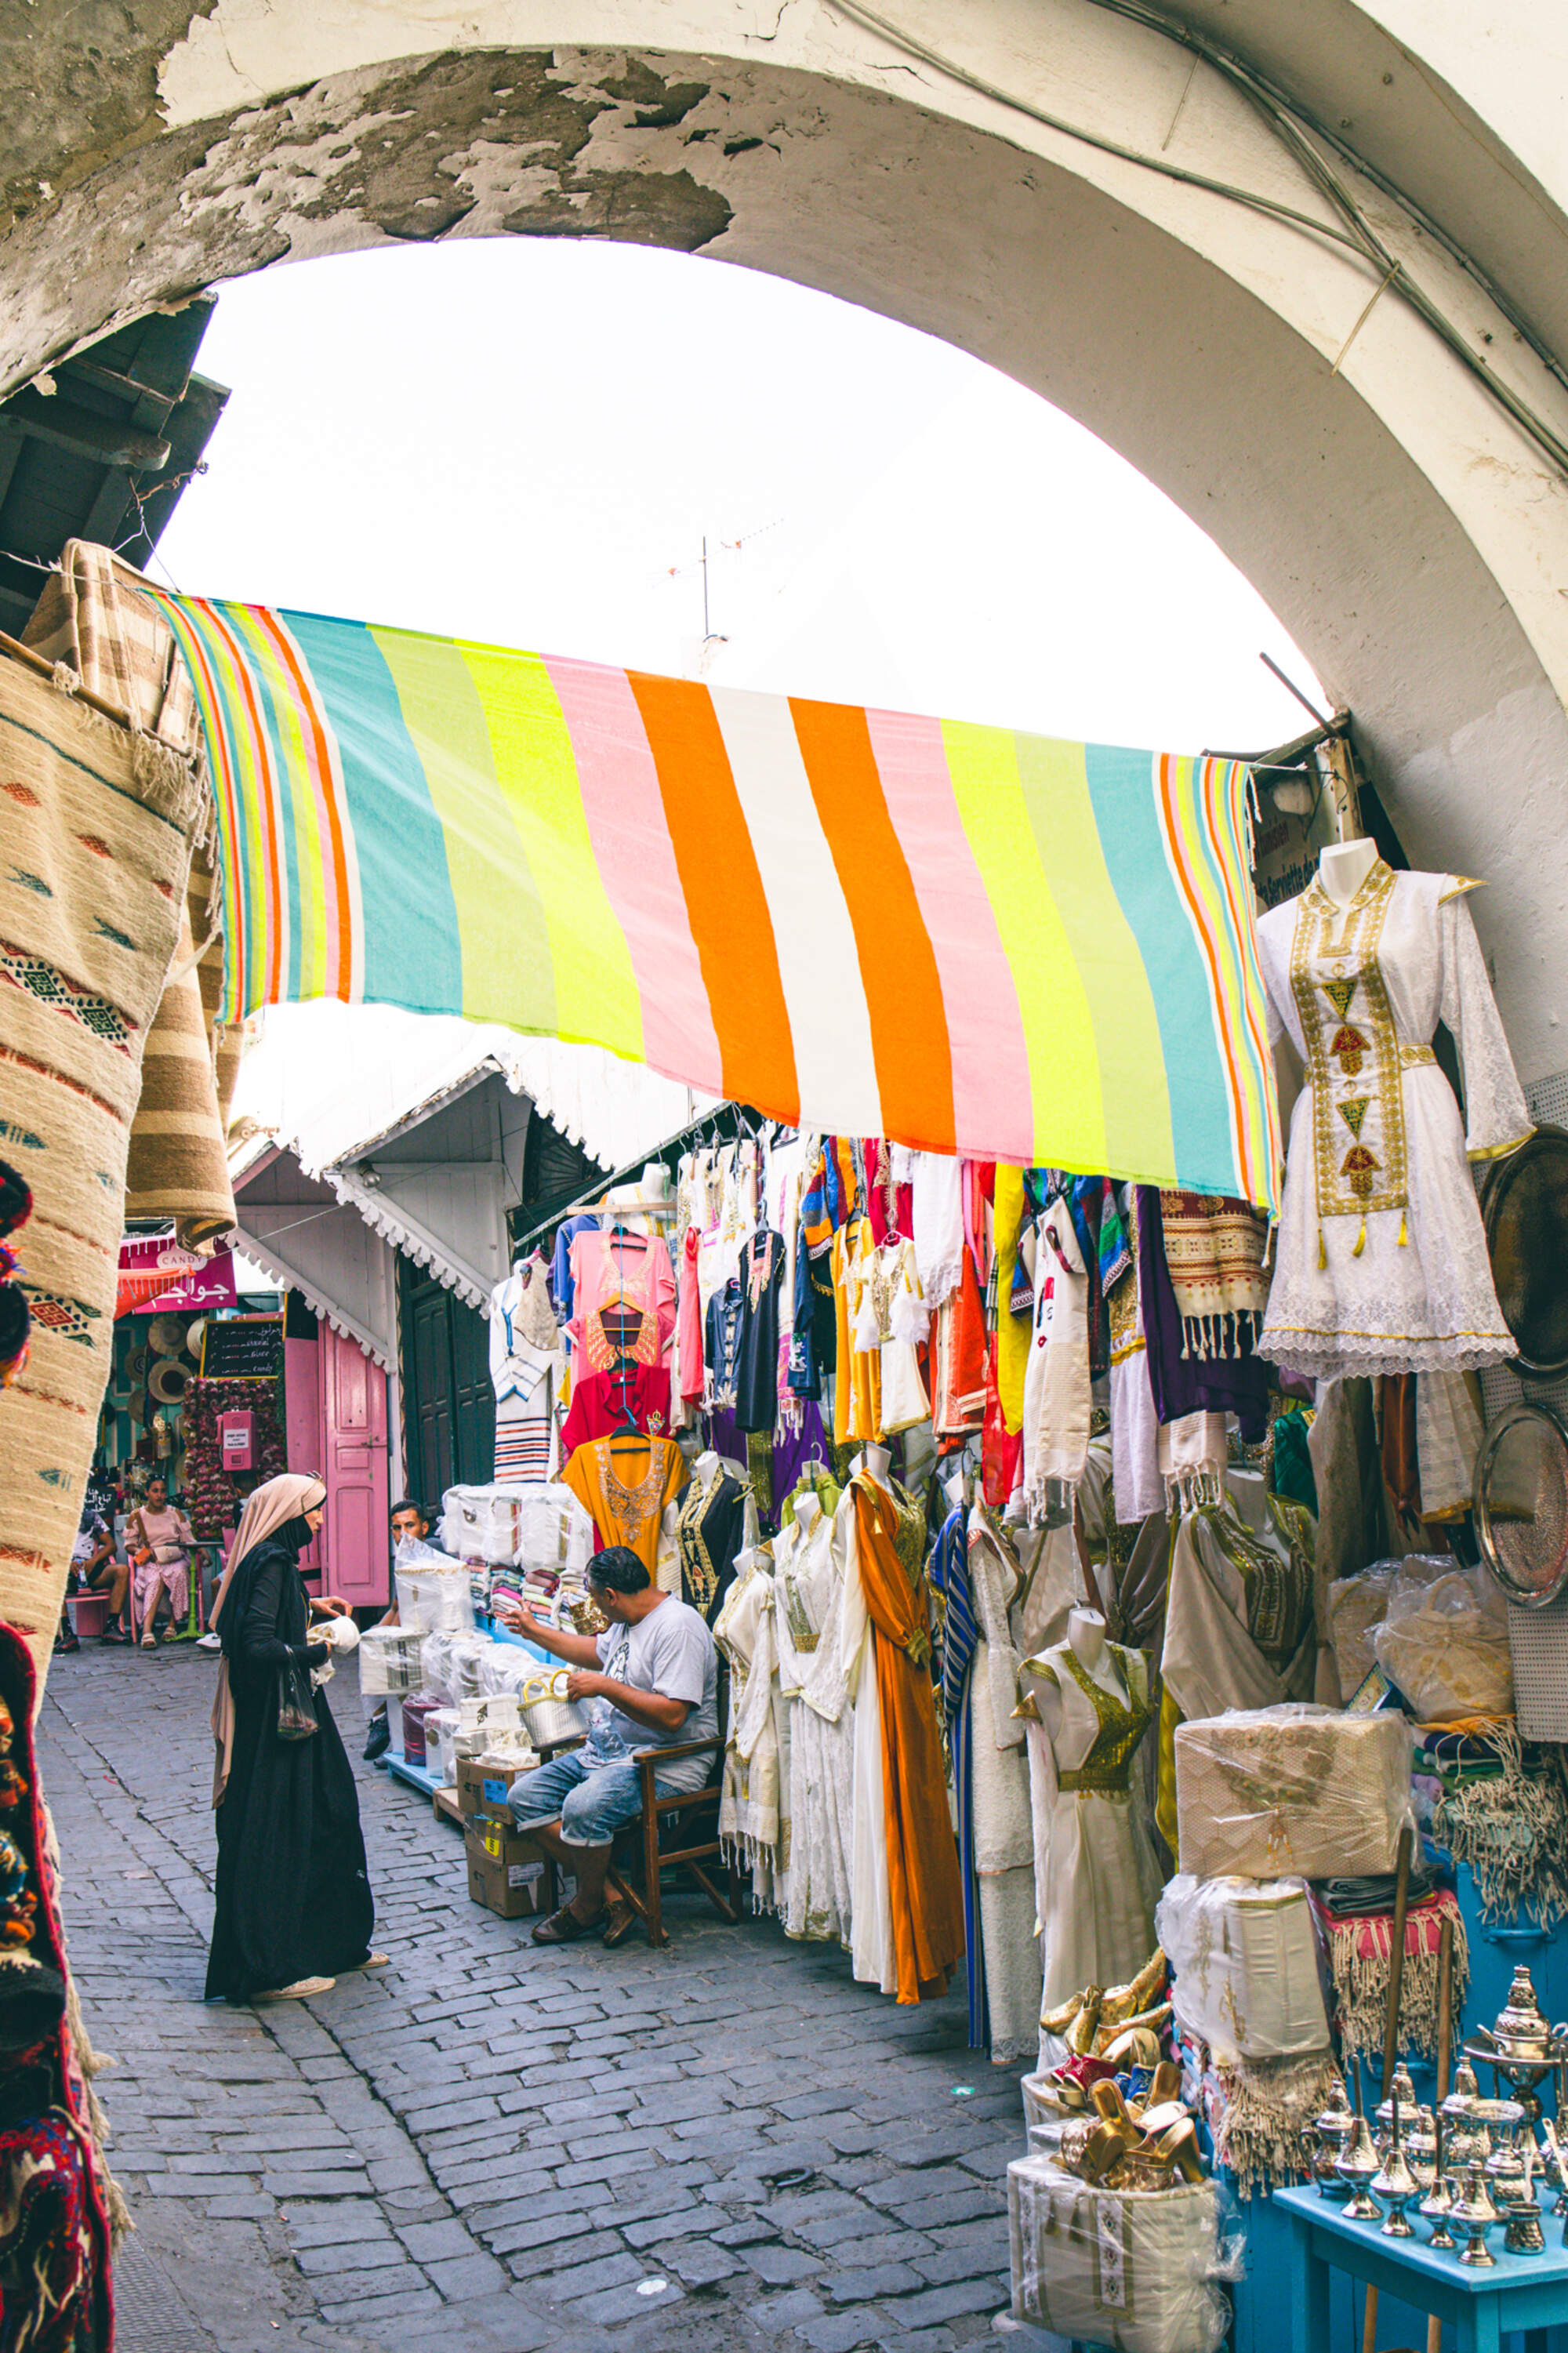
(956, 936)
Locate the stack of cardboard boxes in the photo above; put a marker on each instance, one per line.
(508, 1872)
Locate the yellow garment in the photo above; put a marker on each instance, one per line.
(858, 1384)
(1011, 1331)
(625, 1486)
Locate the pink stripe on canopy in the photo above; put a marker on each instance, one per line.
(624, 812)
(991, 1092)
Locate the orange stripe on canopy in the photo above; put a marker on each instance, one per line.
(909, 1043)
(723, 891)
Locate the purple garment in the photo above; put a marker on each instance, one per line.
(793, 1450)
(1183, 1385)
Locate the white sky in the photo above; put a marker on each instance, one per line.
(524, 441)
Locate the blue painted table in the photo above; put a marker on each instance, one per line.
(1481, 2307)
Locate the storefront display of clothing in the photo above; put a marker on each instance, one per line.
(1095, 1878)
(907, 1899)
(754, 1809)
(1056, 1384)
(808, 1587)
(625, 1484)
(605, 1401)
(623, 1300)
(857, 1388)
(1380, 1261)
(757, 1344)
(1239, 1624)
(1000, 1823)
(1135, 1424)
(888, 1313)
(527, 1366)
(717, 1520)
(721, 1341)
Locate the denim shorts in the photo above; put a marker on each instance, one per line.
(595, 1797)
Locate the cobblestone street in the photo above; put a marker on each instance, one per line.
(491, 2147)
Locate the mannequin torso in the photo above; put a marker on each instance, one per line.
(807, 1512)
(1344, 866)
(1086, 1639)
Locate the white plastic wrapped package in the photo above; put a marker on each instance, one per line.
(1294, 1791)
(1246, 1964)
(440, 1737)
(505, 1668)
(1135, 2269)
(450, 1665)
(1355, 1607)
(480, 1522)
(554, 1531)
(437, 1593)
(1445, 1643)
(389, 1663)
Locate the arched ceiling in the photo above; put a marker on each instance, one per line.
(1355, 464)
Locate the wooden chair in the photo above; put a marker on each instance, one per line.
(645, 1849)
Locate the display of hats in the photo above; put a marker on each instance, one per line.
(136, 1363)
(194, 1334)
(136, 1403)
(167, 1334)
(168, 1381)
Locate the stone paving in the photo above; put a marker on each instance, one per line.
(493, 2147)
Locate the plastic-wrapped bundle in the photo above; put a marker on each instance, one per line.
(440, 1736)
(505, 1668)
(1132, 2268)
(480, 1522)
(450, 1663)
(554, 1531)
(1297, 1791)
(389, 1662)
(1445, 1643)
(1246, 1963)
(497, 1711)
(436, 1594)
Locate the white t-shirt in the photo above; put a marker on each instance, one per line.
(670, 1651)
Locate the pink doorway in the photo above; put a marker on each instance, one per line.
(354, 1466)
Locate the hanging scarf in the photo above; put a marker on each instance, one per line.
(273, 1504)
(1214, 1249)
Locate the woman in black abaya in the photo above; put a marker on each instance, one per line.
(294, 1905)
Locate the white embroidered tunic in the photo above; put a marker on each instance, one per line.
(1381, 1262)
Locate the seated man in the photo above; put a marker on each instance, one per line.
(652, 1681)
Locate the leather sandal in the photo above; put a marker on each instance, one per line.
(563, 1928)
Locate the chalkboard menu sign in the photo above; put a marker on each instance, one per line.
(242, 1348)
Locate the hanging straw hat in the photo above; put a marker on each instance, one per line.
(168, 1381)
(167, 1334)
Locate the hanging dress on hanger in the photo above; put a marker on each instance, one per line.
(526, 1370)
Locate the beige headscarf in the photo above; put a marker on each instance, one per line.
(271, 1505)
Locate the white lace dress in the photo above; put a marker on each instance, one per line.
(1381, 1262)
(808, 1592)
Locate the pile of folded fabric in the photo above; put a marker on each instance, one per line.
(1355, 1921)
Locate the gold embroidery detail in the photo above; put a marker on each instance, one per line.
(1413, 1058)
(1372, 1175)
(1122, 1724)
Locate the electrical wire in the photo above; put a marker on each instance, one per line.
(1285, 118)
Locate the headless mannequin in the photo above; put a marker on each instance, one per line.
(1250, 1495)
(1344, 866)
(876, 1462)
(705, 1468)
(807, 1512)
(1086, 1638)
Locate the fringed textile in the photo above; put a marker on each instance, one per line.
(1214, 1249)
(1266, 2136)
(1358, 1954)
(1513, 1832)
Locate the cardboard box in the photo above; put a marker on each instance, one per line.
(482, 1792)
(509, 1876)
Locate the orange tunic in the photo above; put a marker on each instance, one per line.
(925, 1892)
(625, 1484)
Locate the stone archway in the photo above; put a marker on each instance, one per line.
(1393, 510)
